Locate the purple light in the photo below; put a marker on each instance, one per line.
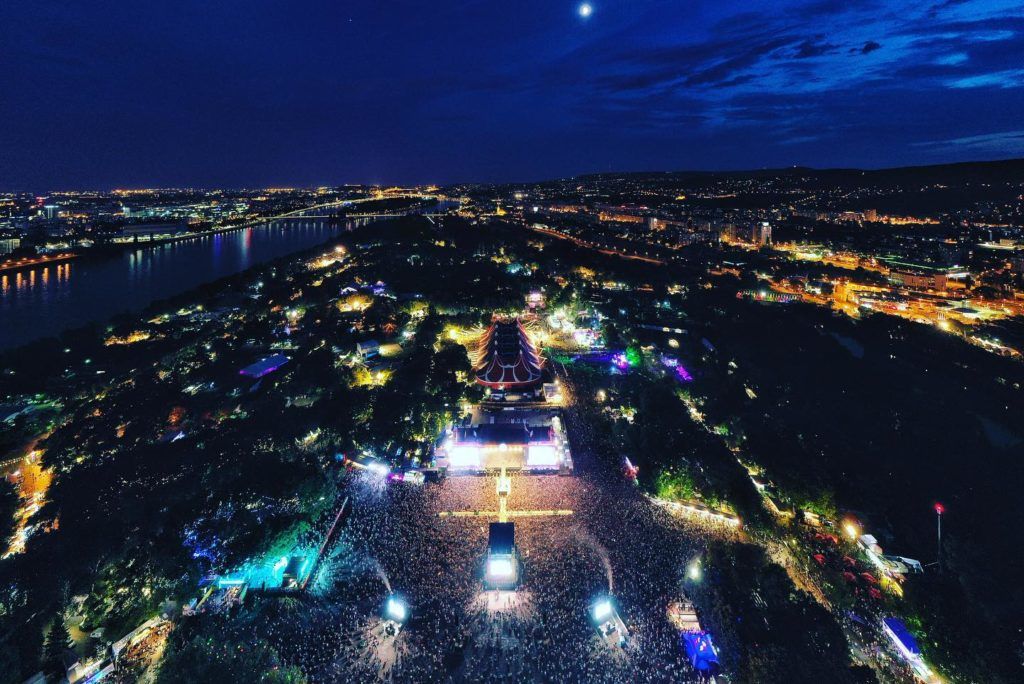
(260, 373)
(265, 366)
(683, 374)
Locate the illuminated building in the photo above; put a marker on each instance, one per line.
(264, 366)
(368, 349)
(925, 277)
(535, 300)
(620, 217)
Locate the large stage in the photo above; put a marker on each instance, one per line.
(516, 439)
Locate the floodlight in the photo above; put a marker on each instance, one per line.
(396, 610)
(602, 610)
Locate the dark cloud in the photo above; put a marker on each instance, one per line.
(814, 48)
(869, 47)
(936, 9)
(730, 67)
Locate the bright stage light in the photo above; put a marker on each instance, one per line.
(542, 455)
(602, 610)
(464, 456)
(500, 568)
(395, 610)
(378, 468)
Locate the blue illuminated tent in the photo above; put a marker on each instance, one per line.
(898, 630)
(701, 652)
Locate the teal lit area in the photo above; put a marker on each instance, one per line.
(290, 571)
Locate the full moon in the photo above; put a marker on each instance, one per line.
(586, 9)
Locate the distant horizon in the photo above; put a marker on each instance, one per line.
(384, 184)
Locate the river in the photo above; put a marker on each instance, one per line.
(46, 301)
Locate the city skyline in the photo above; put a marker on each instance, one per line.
(255, 96)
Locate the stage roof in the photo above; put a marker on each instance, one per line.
(264, 366)
(501, 539)
(503, 433)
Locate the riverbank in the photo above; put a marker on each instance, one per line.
(119, 247)
(97, 286)
(25, 263)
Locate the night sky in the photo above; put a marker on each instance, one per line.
(101, 94)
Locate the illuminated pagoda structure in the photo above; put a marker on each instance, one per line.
(506, 359)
